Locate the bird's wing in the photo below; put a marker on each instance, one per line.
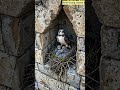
(66, 40)
(57, 38)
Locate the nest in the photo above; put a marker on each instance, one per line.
(60, 65)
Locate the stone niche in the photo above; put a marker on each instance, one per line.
(48, 22)
(48, 37)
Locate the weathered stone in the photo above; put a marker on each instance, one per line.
(44, 40)
(72, 88)
(77, 17)
(109, 72)
(81, 44)
(37, 41)
(108, 12)
(7, 66)
(17, 35)
(45, 14)
(2, 87)
(41, 86)
(22, 62)
(110, 39)
(50, 82)
(16, 7)
(71, 78)
(82, 83)
(1, 41)
(40, 56)
(81, 63)
(113, 54)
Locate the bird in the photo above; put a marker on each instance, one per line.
(62, 39)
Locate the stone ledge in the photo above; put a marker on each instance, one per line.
(52, 84)
(72, 77)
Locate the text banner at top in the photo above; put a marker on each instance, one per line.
(73, 2)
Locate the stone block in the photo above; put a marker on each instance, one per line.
(16, 34)
(81, 63)
(72, 88)
(7, 66)
(43, 40)
(3, 87)
(45, 14)
(81, 44)
(77, 18)
(82, 83)
(16, 7)
(22, 62)
(41, 86)
(109, 73)
(37, 41)
(50, 82)
(71, 78)
(1, 41)
(110, 39)
(108, 12)
(40, 56)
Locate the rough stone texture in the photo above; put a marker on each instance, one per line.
(7, 66)
(81, 44)
(76, 15)
(47, 23)
(40, 56)
(16, 34)
(82, 83)
(4, 87)
(1, 40)
(110, 72)
(16, 38)
(110, 42)
(16, 7)
(110, 39)
(43, 42)
(108, 12)
(45, 14)
(22, 62)
(71, 78)
(72, 88)
(80, 62)
(50, 82)
(45, 82)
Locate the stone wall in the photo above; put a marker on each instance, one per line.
(16, 40)
(49, 18)
(108, 13)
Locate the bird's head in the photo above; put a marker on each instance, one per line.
(61, 32)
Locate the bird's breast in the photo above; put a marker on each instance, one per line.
(61, 40)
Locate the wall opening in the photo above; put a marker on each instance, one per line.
(68, 72)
